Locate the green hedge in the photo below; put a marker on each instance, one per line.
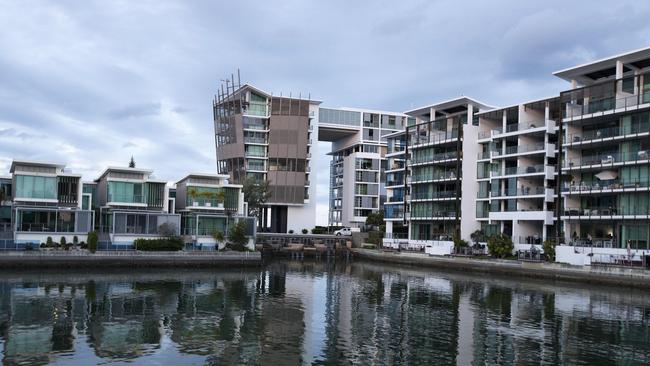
(174, 243)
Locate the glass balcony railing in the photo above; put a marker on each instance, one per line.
(440, 176)
(204, 202)
(255, 140)
(608, 159)
(604, 133)
(418, 159)
(639, 209)
(433, 214)
(435, 137)
(606, 185)
(255, 154)
(255, 126)
(573, 109)
(520, 149)
(125, 198)
(396, 199)
(522, 170)
(433, 195)
(524, 126)
(255, 109)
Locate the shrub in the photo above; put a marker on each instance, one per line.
(83, 245)
(237, 234)
(75, 240)
(93, 238)
(49, 242)
(173, 243)
(368, 246)
(218, 236)
(167, 229)
(375, 237)
(43, 245)
(236, 247)
(459, 243)
(305, 231)
(318, 230)
(290, 231)
(477, 236)
(63, 242)
(500, 245)
(549, 250)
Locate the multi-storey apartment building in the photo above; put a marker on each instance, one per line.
(266, 137)
(41, 200)
(396, 188)
(207, 204)
(605, 197)
(441, 154)
(358, 177)
(516, 171)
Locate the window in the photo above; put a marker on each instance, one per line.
(125, 192)
(28, 186)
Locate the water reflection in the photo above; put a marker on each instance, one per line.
(316, 313)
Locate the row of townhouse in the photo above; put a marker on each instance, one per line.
(572, 168)
(41, 200)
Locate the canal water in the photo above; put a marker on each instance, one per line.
(290, 313)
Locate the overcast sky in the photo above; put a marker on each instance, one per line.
(91, 83)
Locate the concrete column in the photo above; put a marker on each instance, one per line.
(619, 75)
(432, 111)
(574, 84)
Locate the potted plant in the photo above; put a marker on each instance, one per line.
(221, 198)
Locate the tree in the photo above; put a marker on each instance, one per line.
(375, 218)
(218, 236)
(549, 250)
(477, 236)
(93, 238)
(500, 245)
(132, 162)
(256, 193)
(238, 237)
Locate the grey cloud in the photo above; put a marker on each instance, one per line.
(135, 111)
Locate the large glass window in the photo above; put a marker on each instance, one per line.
(28, 186)
(125, 192)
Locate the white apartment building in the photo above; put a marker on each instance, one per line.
(358, 169)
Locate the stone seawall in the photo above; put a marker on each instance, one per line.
(39, 259)
(608, 275)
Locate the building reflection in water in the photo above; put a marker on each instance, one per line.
(292, 313)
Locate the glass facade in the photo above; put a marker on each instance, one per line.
(28, 186)
(125, 192)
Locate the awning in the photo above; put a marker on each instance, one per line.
(607, 175)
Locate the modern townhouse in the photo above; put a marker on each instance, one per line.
(441, 150)
(41, 200)
(516, 171)
(209, 204)
(132, 204)
(358, 178)
(605, 197)
(270, 138)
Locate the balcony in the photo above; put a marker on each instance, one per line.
(434, 158)
(613, 185)
(442, 215)
(205, 203)
(255, 109)
(433, 195)
(392, 183)
(126, 198)
(602, 106)
(520, 170)
(255, 140)
(399, 199)
(638, 211)
(522, 149)
(436, 138)
(608, 159)
(255, 126)
(548, 126)
(434, 177)
(252, 154)
(611, 133)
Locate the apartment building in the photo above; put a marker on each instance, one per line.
(605, 199)
(441, 183)
(516, 171)
(41, 200)
(394, 207)
(132, 204)
(270, 138)
(207, 204)
(358, 178)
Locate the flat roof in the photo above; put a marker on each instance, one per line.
(446, 104)
(125, 170)
(35, 163)
(518, 104)
(589, 72)
(205, 175)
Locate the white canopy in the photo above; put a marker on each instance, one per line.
(607, 175)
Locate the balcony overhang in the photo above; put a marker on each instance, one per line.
(589, 73)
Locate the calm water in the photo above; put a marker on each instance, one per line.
(292, 313)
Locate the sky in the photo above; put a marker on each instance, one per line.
(92, 83)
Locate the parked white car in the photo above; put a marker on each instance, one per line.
(346, 231)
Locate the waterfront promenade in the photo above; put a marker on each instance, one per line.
(12, 259)
(610, 275)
